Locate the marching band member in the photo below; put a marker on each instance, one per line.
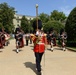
(39, 48)
(2, 39)
(63, 38)
(19, 39)
(7, 37)
(1, 44)
(39, 40)
(50, 38)
(27, 37)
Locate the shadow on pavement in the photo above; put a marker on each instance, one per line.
(49, 49)
(59, 49)
(31, 46)
(16, 51)
(1, 51)
(31, 66)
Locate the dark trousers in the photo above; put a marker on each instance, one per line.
(38, 61)
(26, 42)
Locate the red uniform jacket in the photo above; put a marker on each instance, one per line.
(40, 46)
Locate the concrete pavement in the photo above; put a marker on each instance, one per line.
(57, 62)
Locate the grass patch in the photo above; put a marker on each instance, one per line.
(72, 48)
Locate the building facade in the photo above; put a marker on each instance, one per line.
(17, 19)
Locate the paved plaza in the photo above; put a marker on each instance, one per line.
(57, 62)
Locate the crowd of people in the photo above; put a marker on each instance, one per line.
(38, 38)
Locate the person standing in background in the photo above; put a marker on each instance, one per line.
(27, 37)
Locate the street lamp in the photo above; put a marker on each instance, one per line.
(37, 15)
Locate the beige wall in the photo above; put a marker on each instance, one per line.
(17, 19)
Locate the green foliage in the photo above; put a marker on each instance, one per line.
(55, 20)
(31, 23)
(53, 24)
(24, 24)
(44, 17)
(0, 25)
(71, 26)
(71, 43)
(57, 16)
(6, 16)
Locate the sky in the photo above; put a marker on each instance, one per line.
(28, 7)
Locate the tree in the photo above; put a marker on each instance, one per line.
(70, 28)
(53, 24)
(31, 25)
(24, 24)
(6, 16)
(57, 16)
(44, 17)
(0, 25)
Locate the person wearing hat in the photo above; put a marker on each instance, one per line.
(39, 40)
(19, 38)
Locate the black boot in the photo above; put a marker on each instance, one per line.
(39, 73)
